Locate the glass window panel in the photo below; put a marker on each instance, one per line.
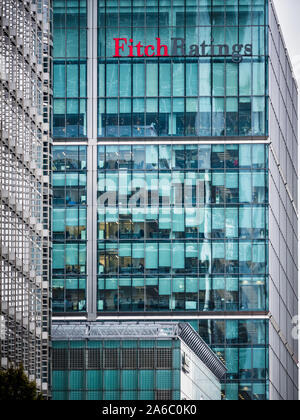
(192, 79)
(258, 115)
(151, 157)
(204, 157)
(138, 251)
(218, 250)
(164, 379)
(232, 35)
(232, 251)
(232, 117)
(59, 44)
(231, 180)
(205, 222)
(94, 379)
(258, 179)
(258, 78)
(178, 79)
(218, 179)
(165, 79)
(112, 379)
(72, 42)
(245, 78)
(71, 255)
(218, 117)
(129, 379)
(151, 255)
(72, 80)
(258, 155)
(191, 251)
(204, 122)
(58, 256)
(218, 79)
(178, 220)
(258, 40)
(259, 253)
(192, 219)
(232, 331)
(76, 379)
(259, 220)
(259, 358)
(112, 80)
(245, 218)
(231, 223)
(245, 188)
(245, 253)
(138, 80)
(178, 285)
(59, 80)
(231, 79)
(218, 218)
(245, 116)
(165, 286)
(245, 361)
(245, 155)
(58, 220)
(178, 256)
(152, 79)
(164, 255)
(125, 250)
(204, 78)
(125, 79)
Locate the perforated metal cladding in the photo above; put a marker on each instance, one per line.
(146, 359)
(141, 358)
(163, 395)
(164, 358)
(77, 358)
(111, 359)
(94, 359)
(129, 358)
(60, 359)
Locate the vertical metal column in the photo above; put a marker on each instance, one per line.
(92, 76)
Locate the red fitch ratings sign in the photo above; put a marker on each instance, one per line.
(126, 48)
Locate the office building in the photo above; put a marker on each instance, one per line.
(175, 177)
(167, 361)
(25, 206)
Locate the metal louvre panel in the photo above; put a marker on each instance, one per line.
(163, 395)
(76, 358)
(146, 359)
(94, 359)
(201, 349)
(129, 358)
(164, 358)
(111, 359)
(60, 359)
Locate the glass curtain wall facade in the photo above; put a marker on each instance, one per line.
(69, 229)
(206, 251)
(182, 96)
(166, 194)
(70, 69)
